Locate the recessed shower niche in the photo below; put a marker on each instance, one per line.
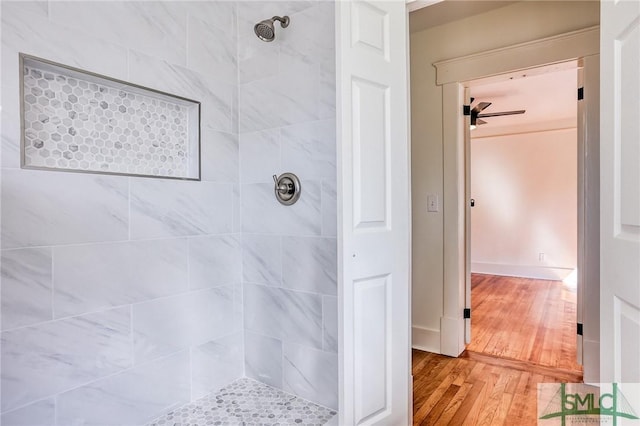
(74, 120)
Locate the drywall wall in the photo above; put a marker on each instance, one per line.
(512, 24)
(525, 192)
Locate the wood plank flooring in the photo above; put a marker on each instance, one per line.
(524, 319)
(478, 389)
(522, 334)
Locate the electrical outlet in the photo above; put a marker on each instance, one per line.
(541, 257)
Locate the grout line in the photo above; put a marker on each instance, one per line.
(132, 241)
(53, 280)
(186, 292)
(96, 380)
(132, 337)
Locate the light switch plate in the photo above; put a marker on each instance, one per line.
(433, 204)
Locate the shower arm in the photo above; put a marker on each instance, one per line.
(284, 21)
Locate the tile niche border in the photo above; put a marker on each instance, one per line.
(74, 120)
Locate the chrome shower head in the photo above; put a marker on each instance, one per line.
(265, 29)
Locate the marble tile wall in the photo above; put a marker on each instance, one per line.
(121, 297)
(286, 119)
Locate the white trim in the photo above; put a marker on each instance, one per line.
(533, 54)
(425, 339)
(523, 271)
(454, 74)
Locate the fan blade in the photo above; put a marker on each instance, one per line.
(472, 99)
(480, 107)
(479, 122)
(498, 114)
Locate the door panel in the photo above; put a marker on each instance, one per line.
(374, 221)
(620, 191)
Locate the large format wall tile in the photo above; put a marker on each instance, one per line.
(263, 358)
(26, 287)
(43, 360)
(309, 264)
(91, 277)
(167, 325)
(287, 124)
(257, 61)
(260, 156)
(309, 149)
(287, 98)
(133, 397)
(216, 364)
(39, 413)
(45, 208)
(150, 250)
(216, 97)
(218, 58)
(311, 374)
(329, 208)
(263, 214)
(214, 261)
(161, 208)
(158, 29)
(262, 259)
(287, 315)
(330, 323)
(221, 14)
(219, 155)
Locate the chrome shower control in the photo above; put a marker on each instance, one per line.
(287, 188)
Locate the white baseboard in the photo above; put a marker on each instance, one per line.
(425, 339)
(591, 361)
(525, 271)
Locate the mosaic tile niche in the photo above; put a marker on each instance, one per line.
(78, 121)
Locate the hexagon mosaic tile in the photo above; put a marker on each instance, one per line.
(76, 124)
(247, 402)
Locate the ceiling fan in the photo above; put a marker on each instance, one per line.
(477, 115)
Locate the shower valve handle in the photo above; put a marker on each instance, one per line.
(284, 188)
(287, 188)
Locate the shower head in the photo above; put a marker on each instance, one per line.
(265, 29)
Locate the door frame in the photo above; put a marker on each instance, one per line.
(453, 75)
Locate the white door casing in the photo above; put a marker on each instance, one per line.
(452, 323)
(467, 215)
(588, 306)
(373, 213)
(451, 75)
(620, 191)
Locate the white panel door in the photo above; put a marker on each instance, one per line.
(374, 213)
(620, 191)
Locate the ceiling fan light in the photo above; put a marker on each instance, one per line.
(472, 127)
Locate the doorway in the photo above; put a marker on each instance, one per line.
(523, 159)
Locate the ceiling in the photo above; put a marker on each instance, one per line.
(549, 98)
(446, 11)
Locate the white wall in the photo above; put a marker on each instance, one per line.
(525, 191)
(516, 23)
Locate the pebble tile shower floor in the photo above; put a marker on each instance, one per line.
(247, 402)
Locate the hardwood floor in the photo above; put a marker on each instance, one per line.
(477, 389)
(523, 333)
(524, 319)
